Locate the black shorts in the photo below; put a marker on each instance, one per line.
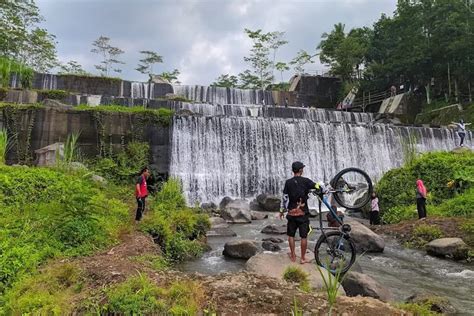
(300, 224)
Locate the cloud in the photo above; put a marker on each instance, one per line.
(202, 38)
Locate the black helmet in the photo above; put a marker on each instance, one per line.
(297, 165)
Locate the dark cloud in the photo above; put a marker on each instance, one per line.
(203, 39)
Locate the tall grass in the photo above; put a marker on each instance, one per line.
(8, 67)
(70, 151)
(332, 283)
(295, 310)
(5, 145)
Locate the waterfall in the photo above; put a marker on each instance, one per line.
(244, 156)
(253, 110)
(221, 95)
(49, 82)
(142, 90)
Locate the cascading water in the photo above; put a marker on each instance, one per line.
(49, 82)
(254, 110)
(142, 90)
(242, 157)
(220, 95)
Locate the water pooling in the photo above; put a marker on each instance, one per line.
(403, 271)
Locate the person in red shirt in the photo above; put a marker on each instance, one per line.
(141, 192)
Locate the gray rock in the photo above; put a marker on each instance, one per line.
(269, 202)
(254, 206)
(437, 304)
(237, 212)
(274, 230)
(270, 246)
(98, 179)
(356, 283)
(454, 248)
(258, 215)
(274, 265)
(275, 240)
(241, 249)
(209, 206)
(220, 232)
(224, 202)
(218, 222)
(365, 239)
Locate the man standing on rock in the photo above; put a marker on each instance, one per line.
(294, 201)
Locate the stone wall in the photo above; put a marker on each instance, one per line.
(317, 91)
(41, 127)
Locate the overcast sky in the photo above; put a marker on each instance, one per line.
(202, 38)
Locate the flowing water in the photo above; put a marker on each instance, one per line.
(244, 156)
(403, 271)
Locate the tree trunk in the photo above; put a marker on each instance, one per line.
(428, 96)
(449, 82)
(456, 90)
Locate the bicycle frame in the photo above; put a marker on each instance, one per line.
(323, 200)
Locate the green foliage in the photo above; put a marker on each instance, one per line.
(446, 176)
(5, 145)
(170, 76)
(158, 263)
(70, 153)
(161, 116)
(53, 94)
(226, 81)
(149, 59)
(46, 213)
(302, 58)
(140, 296)
(295, 310)
(177, 229)
(417, 309)
(72, 67)
(9, 67)
(48, 292)
(468, 228)
(296, 275)
(423, 234)
(446, 116)
(332, 283)
(124, 166)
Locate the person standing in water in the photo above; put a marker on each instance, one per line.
(461, 130)
(421, 199)
(295, 202)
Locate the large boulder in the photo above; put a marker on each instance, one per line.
(226, 200)
(454, 248)
(209, 207)
(269, 202)
(356, 283)
(240, 249)
(436, 303)
(237, 212)
(258, 215)
(254, 206)
(274, 229)
(364, 238)
(274, 265)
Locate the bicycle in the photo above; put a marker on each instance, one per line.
(352, 189)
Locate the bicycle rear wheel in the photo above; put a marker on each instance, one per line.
(335, 251)
(353, 188)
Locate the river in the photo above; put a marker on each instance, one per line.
(403, 271)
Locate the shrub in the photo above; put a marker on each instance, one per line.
(417, 309)
(124, 166)
(5, 145)
(446, 175)
(399, 213)
(46, 213)
(139, 295)
(296, 275)
(53, 94)
(46, 293)
(177, 229)
(423, 234)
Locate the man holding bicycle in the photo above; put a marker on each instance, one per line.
(294, 201)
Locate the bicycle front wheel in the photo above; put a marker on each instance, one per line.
(335, 252)
(353, 188)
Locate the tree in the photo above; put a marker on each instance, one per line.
(72, 67)
(109, 55)
(259, 58)
(227, 81)
(302, 58)
(22, 39)
(171, 76)
(149, 59)
(281, 67)
(248, 80)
